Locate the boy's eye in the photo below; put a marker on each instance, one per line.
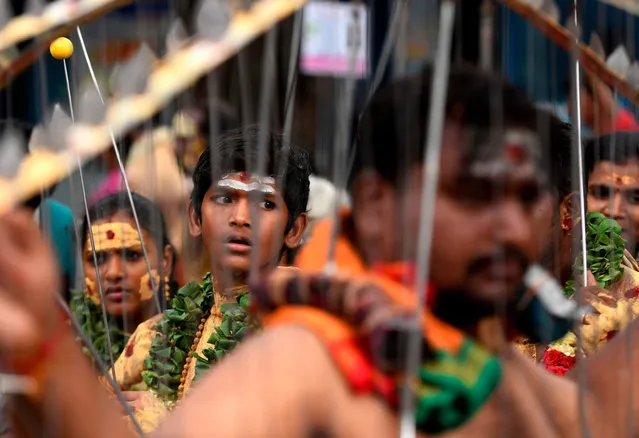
(267, 205)
(222, 199)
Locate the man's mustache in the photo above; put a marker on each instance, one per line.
(461, 307)
(509, 253)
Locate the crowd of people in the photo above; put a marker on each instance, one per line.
(268, 342)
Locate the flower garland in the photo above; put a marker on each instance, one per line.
(89, 317)
(176, 331)
(604, 259)
(234, 327)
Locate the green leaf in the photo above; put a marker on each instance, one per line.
(174, 315)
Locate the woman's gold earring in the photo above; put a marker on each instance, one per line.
(167, 289)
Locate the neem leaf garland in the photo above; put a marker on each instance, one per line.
(176, 332)
(89, 316)
(604, 255)
(234, 327)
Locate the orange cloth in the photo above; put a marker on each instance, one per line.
(313, 254)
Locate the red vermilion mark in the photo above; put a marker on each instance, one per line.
(110, 235)
(516, 153)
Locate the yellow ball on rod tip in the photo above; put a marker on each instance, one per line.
(61, 48)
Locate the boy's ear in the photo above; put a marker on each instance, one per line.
(168, 260)
(295, 234)
(195, 223)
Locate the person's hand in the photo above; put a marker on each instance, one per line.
(29, 280)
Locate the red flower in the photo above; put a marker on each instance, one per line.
(557, 363)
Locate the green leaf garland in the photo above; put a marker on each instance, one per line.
(605, 248)
(176, 332)
(89, 316)
(233, 329)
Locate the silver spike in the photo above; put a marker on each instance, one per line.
(213, 18)
(619, 61)
(550, 8)
(34, 7)
(633, 75)
(6, 12)
(571, 26)
(90, 108)
(176, 36)
(534, 3)
(57, 129)
(12, 152)
(131, 77)
(631, 6)
(597, 46)
(38, 138)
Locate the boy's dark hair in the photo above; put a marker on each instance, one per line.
(392, 127)
(617, 148)
(237, 151)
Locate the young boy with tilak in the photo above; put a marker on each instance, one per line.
(168, 353)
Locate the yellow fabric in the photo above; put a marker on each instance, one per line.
(150, 412)
(129, 366)
(614, 310)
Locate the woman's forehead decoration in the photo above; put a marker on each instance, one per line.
(114, 236)
(622, 179)
(509, 152)
(246, 182)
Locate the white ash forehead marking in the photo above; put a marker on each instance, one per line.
(517, 148)
(248, 183)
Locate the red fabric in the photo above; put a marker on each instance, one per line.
(357, 369)
(405, 273)
(626, 121)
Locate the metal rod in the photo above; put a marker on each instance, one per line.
(91, 237)
(430, 181)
